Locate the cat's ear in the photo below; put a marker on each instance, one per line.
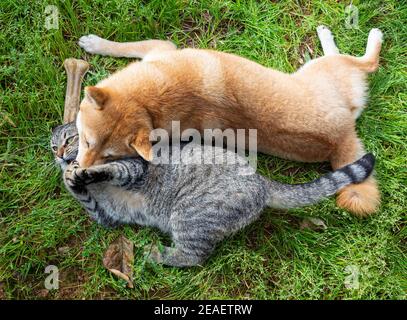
(97, 96)
(141, 143)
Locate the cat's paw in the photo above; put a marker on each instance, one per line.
(75, 176)
(82, 176)
(69, 176)
(98, 173)
(74, 164)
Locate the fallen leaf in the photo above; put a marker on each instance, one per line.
(313, 224)
(118, 259)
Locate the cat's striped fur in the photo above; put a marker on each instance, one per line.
(198, 205)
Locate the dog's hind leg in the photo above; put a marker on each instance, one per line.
(369, 62)
(327, 41)
(139, 49)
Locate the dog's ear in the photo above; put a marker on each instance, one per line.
(97, 96)
(141, 143)
(141, 140)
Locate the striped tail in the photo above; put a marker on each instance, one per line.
(297, 195)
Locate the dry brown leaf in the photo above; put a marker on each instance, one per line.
(118, 259)
(313, 224)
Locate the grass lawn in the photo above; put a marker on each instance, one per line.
(41, 224)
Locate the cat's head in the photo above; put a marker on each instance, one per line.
(64, 144)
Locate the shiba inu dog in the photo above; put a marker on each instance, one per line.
(305, 116)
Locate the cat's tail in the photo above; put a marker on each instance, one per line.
(369, 62)
(297, 195)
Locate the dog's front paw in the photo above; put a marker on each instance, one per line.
(92, 43)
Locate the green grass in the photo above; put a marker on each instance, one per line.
(271, 259)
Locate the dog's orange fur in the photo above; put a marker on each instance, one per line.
(306, 116)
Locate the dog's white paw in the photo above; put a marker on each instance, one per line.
(91, 43)
(375, 35)
(324, 33)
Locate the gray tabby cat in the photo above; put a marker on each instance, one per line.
(198, 205)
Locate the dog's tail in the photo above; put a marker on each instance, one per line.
(297, 195)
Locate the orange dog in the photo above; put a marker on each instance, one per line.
(305, 116)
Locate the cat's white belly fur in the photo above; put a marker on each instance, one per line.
(127, 206)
